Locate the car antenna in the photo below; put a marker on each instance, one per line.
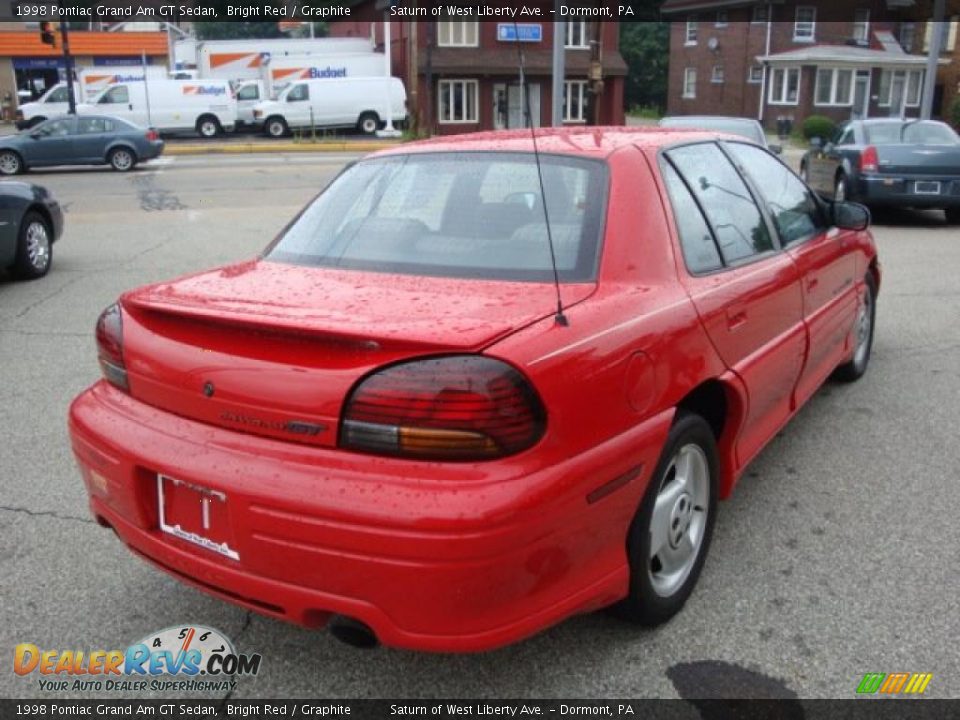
(560, 318)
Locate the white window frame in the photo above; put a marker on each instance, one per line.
(570, 40)
(834, 101)
(456, 33)
(861, 27)
(723, 19)
(759, 77)
(805, 31)
(949, 35)
(469, 87)
(690, 38)
(689, 91)
(886, 87)
(781, 98)
(760, 15)
(717, 75)
(580, 88)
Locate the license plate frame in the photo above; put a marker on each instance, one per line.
(209, 503)
(926, 187)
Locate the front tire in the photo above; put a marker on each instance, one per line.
(208, 127)
(670, 535)
(122, 159)
(863, 334)
(275, 127)
(10, 163)
(368, 123)
(34, 247)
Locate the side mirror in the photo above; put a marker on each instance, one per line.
(850, 216)
(776, 149)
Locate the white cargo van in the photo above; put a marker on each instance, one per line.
(336, 103)
(52, 103)
(206, 106)
(94, 80)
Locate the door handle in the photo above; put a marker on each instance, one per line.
(812, 283)
(736, 318)
(130, 107)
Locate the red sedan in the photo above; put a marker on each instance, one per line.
(471, 390)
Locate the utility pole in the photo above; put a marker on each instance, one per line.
(933, 57)
(389, 130)
(559, 67)
(68, 66)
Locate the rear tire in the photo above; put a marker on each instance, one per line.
(863, 330)
(122, 159)
(953, 215)
(208, 127)
(368, 123)
(34, 247)
(276, 127)
(10, 163)
(670, 535)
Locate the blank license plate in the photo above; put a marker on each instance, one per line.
(926, 187)
(195, 514)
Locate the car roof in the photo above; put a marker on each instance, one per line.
(596, 142)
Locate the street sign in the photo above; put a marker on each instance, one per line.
(519, 32)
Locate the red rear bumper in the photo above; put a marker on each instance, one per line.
(431, 556)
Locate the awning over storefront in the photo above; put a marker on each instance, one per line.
(108, 44)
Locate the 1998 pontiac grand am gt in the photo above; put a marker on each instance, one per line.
(385, 425)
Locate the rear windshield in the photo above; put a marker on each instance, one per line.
(910, 133)
(471, 215)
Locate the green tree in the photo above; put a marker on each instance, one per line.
(645, 47)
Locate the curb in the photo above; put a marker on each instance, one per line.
(283, 147)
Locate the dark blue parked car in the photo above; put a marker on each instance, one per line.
(79, 140)
(907, 163)
(30, 221)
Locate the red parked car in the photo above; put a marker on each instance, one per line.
(385, 425)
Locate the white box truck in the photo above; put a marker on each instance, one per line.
(362, 102)
(241, 59)
(205, 106)
(280, 72)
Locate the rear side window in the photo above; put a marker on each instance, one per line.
(730, 208)
(699, 248)
(94, 125)
(793, 209)
(469, 215)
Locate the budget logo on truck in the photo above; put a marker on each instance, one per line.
(204, 90)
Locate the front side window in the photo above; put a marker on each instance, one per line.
(118, 95)
(55, 128)
(804, 28)
(861, 25)
(298, 93)
(464, 214)
(691, 38)
(457, 33)
(249, 92)
(690, 83)
(574, 100)
(834, 86)
(700, 252)
(58, 95)
(458, 101)
(784, 86)
(793, 208)
(730, 208)
(576, 34)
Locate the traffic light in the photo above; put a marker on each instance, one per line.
(46, 34)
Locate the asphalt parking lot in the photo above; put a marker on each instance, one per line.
(837, 554)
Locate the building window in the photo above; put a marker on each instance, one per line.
(756, 74)
(948, 40)
(861, 26)
(804, 29)
(908, 33)
(690, 83)
(577, 34)
(457, 34)
(691, 32)
(907, 82)
(458, 101)
(717, 75)
(722, 19)
(784, 86)
(575, 101)
(761, 14)
(834, 87)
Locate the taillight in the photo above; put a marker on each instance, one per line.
(869, 163)
(461, 407)
(110, 347)
(152, 135)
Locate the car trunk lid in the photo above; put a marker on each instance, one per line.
(919, 159)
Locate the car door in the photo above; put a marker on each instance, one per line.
(299, 112)
(823, 256)
(10, 208)
(50, 143)
(823, 165)
(746, 291)
(91, 138)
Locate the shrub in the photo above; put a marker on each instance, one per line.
(818, 126)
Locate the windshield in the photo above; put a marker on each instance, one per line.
(472, 215)
(910, 133)
(747, 129)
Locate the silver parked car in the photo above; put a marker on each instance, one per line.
(744, 127)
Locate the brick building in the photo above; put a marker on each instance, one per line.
(463, 76)
(793, 59)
